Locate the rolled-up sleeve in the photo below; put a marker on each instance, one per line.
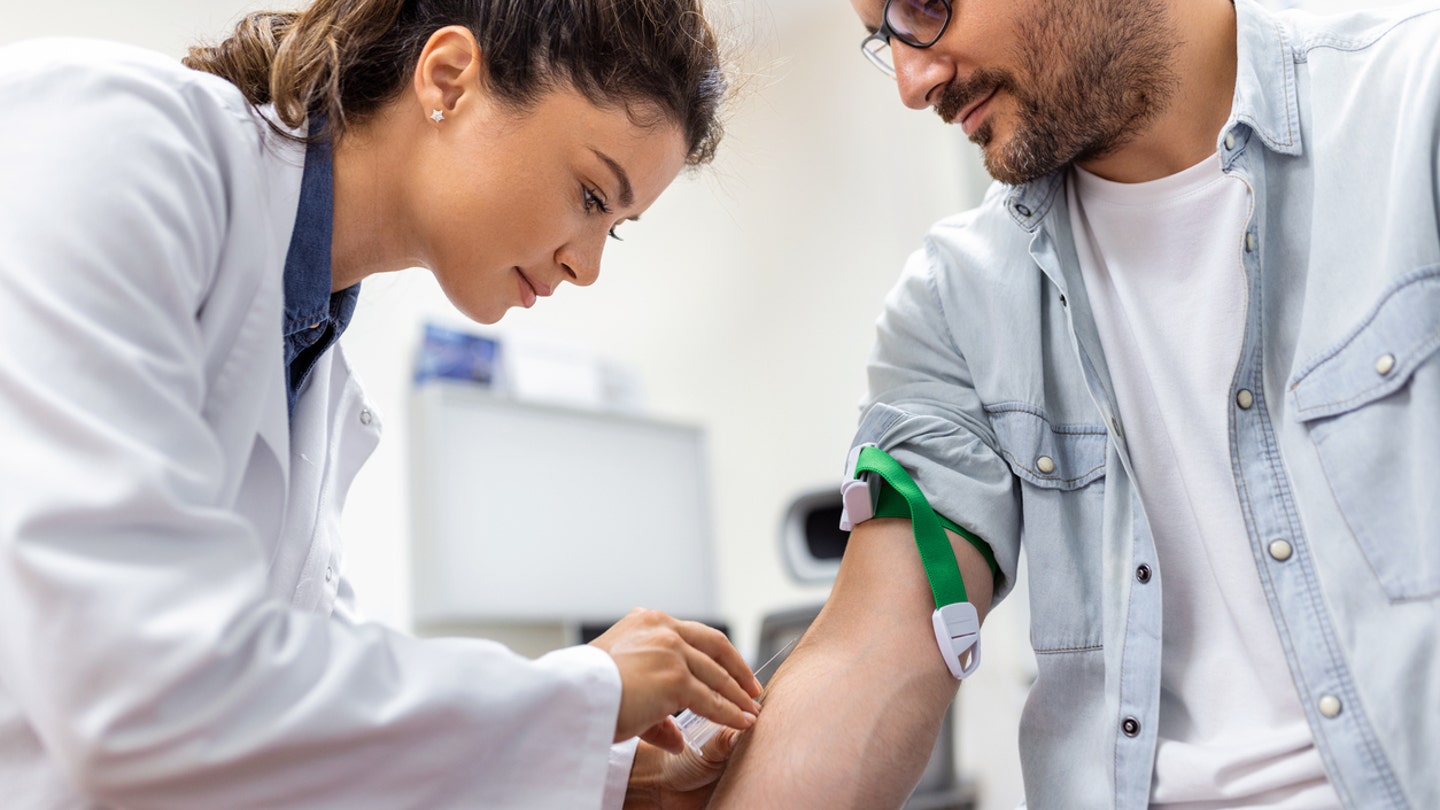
(922, 408)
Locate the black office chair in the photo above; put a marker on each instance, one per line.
(812, 545)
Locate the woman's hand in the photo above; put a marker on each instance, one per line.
(667, 665)
(660, 780)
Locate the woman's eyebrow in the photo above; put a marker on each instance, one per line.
(627, 192)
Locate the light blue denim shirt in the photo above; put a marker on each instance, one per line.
(988, 360)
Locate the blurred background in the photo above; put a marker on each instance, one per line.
(734, 320)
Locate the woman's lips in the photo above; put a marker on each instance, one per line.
(528, 293)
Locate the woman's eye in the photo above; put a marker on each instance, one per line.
(593, 202)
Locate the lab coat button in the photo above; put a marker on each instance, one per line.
(1143, 573)
(329, 574)
(1245, 399)
(1045, 464)
(1131, 727)
(366, 417)
(1385, 364)
(1330, 706)
(1281, 550)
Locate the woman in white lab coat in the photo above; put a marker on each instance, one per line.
(179, 250)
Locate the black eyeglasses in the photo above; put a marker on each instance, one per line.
(917, 23)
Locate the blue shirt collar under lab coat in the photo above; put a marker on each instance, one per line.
(314, 316)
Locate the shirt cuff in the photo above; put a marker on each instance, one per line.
(617, 779)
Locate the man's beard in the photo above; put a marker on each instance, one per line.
(1095, 73)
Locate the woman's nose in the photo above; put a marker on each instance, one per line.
(581, 265)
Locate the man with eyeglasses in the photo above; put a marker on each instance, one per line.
(1186, 353)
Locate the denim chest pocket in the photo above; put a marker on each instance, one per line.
(1061, 469)
(1371, 404)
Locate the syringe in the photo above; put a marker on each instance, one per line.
(699, 730)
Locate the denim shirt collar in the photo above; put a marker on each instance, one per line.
(1266, 101)
(314, 317)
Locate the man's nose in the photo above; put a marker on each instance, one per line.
(920, 73)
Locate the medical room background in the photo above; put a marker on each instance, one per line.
(741, 306)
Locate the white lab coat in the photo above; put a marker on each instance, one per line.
(174, 628)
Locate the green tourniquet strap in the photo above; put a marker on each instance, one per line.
(892, 505)
(946, 584)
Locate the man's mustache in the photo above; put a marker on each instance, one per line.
(961, 94)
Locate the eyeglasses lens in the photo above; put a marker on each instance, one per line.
(917, 22)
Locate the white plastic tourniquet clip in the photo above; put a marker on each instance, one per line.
(957, 629)
(858, 496)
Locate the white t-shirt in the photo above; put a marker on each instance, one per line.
(1162, 263)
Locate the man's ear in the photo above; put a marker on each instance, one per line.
(449, 74)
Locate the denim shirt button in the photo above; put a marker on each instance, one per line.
(1250, 243)
(1229, 140)
(1131, 727)
(1045, 465)
(1281, 550)
(1385, 364)
(1330, 706)
(1245, 399)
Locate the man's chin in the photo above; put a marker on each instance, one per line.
(998, 159)
(1008, 163)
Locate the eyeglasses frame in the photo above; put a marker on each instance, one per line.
(884, 33)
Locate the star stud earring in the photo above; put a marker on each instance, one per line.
(437, 116)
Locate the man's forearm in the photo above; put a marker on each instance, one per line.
(852, 717)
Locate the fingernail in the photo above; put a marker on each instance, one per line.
(758, 687)
(757, 706)
(749, 719)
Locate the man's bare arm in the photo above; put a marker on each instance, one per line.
(851, 718)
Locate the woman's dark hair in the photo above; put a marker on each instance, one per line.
(344, 59)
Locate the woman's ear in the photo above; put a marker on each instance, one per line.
(450, 74)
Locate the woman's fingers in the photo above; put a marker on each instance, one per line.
(718, 648)
(668, 665)
(718, 750)
(714, 694)
(666, 735)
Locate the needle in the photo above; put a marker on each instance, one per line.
(772, 660)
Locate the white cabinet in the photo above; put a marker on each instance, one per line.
(527, 513)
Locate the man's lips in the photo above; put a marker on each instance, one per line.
(968, 119)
